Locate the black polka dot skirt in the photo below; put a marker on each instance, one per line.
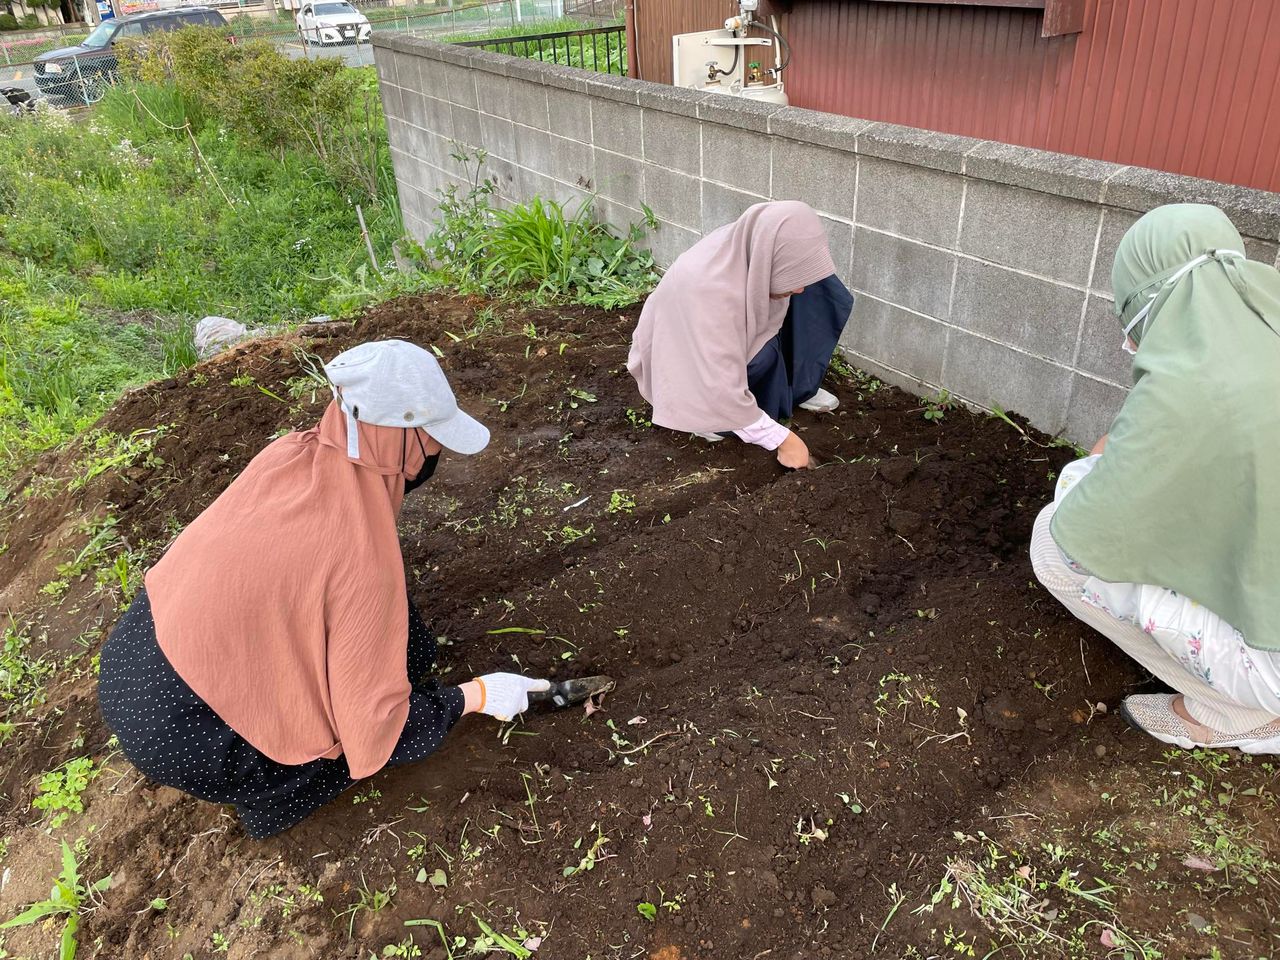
(175, 738)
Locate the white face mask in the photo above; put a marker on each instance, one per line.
(1131, 348)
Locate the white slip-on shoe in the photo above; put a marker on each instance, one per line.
(1152, 713)
(709, 437)
(824, 401)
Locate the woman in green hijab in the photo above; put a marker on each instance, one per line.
(1167, 539)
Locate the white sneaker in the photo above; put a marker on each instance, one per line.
(821, 402)
(709, 437)
(1153, 713)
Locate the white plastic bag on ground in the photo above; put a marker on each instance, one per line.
(215, 334)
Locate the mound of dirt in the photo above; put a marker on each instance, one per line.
(824, 678)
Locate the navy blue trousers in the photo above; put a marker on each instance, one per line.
(789, 368)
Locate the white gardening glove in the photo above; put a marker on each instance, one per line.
(503, 695)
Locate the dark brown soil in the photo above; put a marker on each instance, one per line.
(824, 678)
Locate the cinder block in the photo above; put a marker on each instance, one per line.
(721, 205)
(615, 126)
(617, 215)
(994, 375)
(619, 178)
(840, 243)
(821, 177)
(739, 158)
(672, 141)
(1115, 224)
(896, 338)
(384, 63)
(499, 136)
(902, 272)
(669, 241)
(1100, 352)
(569, 115)
(530, 184)
(391, 105)
(430, 73)
(674, 197)
(437, 115)
(1034, 315)
(1051, 236)
(460, 82)
(426, 147)
(506, 177)
(1092, 410)
(413, 108)
(402, 163)
(916, 202)
(466, 127)
(397, 134)
(493, 95)
(529, 103)
(571, 162)
(533, 150)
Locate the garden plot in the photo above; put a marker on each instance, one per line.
(847, 722)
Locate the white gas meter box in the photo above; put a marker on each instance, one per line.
(717, 61)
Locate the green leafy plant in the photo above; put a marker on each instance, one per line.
(67, 899)
(647, 910)
(60, 790)
(936, 407)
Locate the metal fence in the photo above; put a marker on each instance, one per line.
(602, 49)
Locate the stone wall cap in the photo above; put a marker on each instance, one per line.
(607, 86)
(923, 148)
(681, 101)
(1256, 213)
(1060, 174)
(814, 126)
(735, 111)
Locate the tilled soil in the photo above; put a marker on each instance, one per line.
(829, 683)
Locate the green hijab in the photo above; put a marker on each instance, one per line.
(1187, 494)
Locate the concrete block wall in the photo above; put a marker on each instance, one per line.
(980, 267)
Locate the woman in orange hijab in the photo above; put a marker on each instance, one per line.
(273, 658)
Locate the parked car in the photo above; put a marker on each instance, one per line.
(332, 21)
(81, 73)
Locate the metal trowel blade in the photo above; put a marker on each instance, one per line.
(567, 693)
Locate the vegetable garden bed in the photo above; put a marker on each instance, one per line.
(848, 723)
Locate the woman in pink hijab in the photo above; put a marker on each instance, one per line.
(274, 658)
(741, 330)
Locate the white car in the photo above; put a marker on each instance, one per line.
(333, 21)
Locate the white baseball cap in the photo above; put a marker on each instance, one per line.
(392, 383)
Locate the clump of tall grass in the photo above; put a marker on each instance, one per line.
(541, 248)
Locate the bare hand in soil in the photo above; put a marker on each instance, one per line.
(794, 454)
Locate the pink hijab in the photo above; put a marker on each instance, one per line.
(283, 604)
(712, 313)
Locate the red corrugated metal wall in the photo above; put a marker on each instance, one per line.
(1191, 86)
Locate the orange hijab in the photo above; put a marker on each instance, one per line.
(283, 605)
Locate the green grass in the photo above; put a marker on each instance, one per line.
(121, 231)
